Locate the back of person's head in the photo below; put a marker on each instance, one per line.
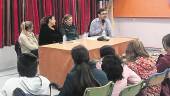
(83, 77)
(166, 42)
(27, 25)
(27, 65)
(101, 10)
(80, 54)
(111, 65)
(135, 49)
(107, 50)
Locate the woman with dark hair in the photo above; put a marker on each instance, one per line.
(28, 80)
(104, 51)
(163, 61)
(119, 73)
(140, 62)
(48, 31)
(68, 30)
(83, 75)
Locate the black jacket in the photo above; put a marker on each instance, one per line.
(49, 36)
(69, 31)
(69, 89)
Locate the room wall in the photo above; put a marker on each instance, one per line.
(149, 31)
(8, 58)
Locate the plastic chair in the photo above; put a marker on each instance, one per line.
(132, 90)
(18, 49)
(105, 90)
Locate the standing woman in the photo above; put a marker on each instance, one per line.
(48, 31)
(27, 39)
(68, 30)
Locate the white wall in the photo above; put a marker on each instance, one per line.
(149, 31)
(8, 58)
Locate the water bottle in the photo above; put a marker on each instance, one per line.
(104, 33)
(64, 38)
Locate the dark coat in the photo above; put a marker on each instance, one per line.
(163, 62)
(69, 89)
(49, 36)
(69, 31)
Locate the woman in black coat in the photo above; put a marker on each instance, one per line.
(48, 31)
(83, 75)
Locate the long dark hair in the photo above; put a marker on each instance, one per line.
(83, 77)
(45, 20)
(135, 49)
(111, 65)
(166, 41)
(107, 50)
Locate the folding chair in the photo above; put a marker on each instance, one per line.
(105, 90)
(132, 90)
(156, 79)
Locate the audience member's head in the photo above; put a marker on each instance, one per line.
(83, 77)
(80, 54)
(111, 65)
(27, 65)
(106, 50)
(102, 13)
(135, 49)
(67, 19)
(166, 42)
(27, 26)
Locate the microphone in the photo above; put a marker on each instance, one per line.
(103, 21)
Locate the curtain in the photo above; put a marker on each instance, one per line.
(11, 15)
(1, 11)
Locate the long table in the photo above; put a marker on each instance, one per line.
(55, 59)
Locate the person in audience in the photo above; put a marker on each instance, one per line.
(27, 39)
(104, 51)
(119, 73)
(83, 75)
(163, 61)
(28, 81)
(48, 31)
(68, 30)
(101, 26)
(142, 64)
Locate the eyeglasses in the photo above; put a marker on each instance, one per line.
(103, 13)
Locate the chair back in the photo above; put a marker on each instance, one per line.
(18, 49)
(132, 90)
(105, 90)
(168, 73)
(156, 79)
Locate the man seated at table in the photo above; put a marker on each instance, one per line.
(101, 26)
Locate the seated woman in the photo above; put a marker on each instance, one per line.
(68, 30)
(140, 62)
(48, 31)
(27, 39)
(83, 75)
(163, 61)
(28, 80)
(119, 73)
(104, 51)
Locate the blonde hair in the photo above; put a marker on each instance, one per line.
(135, 49)
(66, 17)
(27, 25)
